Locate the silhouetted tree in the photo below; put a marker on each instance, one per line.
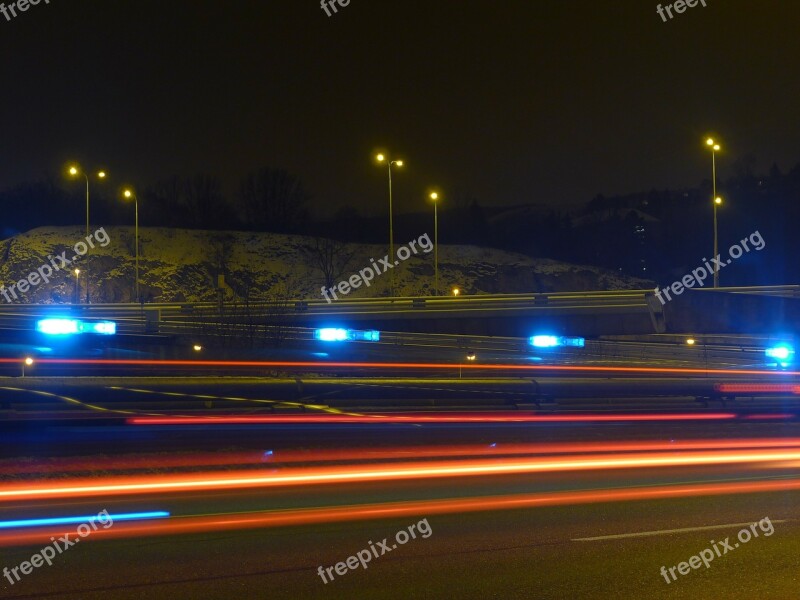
(273, 200)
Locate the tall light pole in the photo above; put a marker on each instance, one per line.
(129, 193)
(76, 171)
(716, 200)
(434, 196)
(77, 286)
(381, 158)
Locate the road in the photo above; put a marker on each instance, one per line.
(474, 551)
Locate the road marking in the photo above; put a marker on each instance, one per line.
(668, 531)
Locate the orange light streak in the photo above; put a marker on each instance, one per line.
(362, 473)
(278, 456)
(391, 510)
(370, 365)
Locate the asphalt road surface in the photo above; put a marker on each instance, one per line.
(598, 524)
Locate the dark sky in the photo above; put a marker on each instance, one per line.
(507, 101)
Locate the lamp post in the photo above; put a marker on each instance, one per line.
(716, 200)
(76, 171)
(77, 286)
(434, 196)
(128, 193)
(381, 158)
(27, 362)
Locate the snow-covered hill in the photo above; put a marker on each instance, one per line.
(183, 265)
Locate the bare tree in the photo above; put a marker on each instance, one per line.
(273, 199)
(331, 257)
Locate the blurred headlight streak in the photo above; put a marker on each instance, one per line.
(412, 418)
(115, 486)
(331, 334)
(758, 388)
(109, 463)
(393, 365)
(84, 519)
(552, 341)
(59, 326)
(282, 518)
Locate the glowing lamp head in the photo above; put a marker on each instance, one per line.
(127, 193)
(380, 158)
(690, 341)
(434, 196)
(456, 291)
(73, 171)
(28, 361)
(101, 174)
(717, 200)
(710, 142)
(77, 272)
(197, 347)
(399, 163)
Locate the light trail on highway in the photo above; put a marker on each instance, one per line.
(469, 366)
(309, 516)
(409, 470)
(426, 418)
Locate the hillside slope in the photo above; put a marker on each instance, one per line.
(183, 265)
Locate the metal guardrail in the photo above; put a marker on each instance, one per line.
(168, 317)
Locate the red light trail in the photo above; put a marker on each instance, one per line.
(282, 518)
(413, 418)
(400, 365)
(413, 470)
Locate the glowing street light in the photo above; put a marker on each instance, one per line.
(128, 194)
(77, 285)
(715, 147)
(434, 196)
(456, 291)
(28, 362)
(76, 171)
(382, 158)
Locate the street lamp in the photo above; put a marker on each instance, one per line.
(128, 194)
(76, 171)
(27, 362)
(456, 291)
(434, 196)
(77, 286)
(716, 199)
(381, 158)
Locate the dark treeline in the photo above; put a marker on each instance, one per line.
(658, 235)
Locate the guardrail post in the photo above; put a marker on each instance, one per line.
(152, 317)
(657, 317)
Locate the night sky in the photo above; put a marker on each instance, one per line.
(508, 102)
